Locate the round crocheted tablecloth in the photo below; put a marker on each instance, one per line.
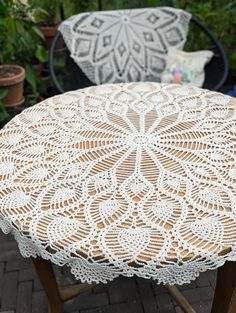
(123, 179)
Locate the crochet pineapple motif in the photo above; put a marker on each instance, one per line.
(124, 179)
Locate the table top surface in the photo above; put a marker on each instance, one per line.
(134, 178)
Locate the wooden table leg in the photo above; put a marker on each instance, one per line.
(225, 291)
(46, 275)
(180, 299)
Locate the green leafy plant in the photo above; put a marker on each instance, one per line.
(46, 12)
(219, 17)
(4, 115)
(79, 6)
(20, 38)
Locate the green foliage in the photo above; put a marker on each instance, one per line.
(4, 115)
(220, 17)
(41, 54)
(30, 77)
(20, 38)
(46, 12)
(78, 6)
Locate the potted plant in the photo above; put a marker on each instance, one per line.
(48, 18)
(20, 45)
(12, 79)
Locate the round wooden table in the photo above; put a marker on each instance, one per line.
(124, 179)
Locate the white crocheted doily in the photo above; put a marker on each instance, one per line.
(123, 179)
(125, 45)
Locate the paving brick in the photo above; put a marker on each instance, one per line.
(203, 306)
(123, 289)
(39, 303)
(191, 285)
(37, 286)
(9, 296)
(9, 251)
(24, 297)
(27, 274)
(115, 308)
(18, 264)
(2, 266)
(198, 294)
(203, 280)
(158, 289)
(134, 307)
(8, 245)
(212, 278)
(178, 310)
(114, 291)
(9, 255)
(86, 301)
(129, 290)
(147, 298)
(141, 280)
(103, 287)
(165, 304)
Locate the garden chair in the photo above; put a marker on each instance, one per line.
(67, 75)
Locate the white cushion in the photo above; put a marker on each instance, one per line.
(186, 67)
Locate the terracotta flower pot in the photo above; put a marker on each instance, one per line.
(38, 69)
(12, 79)
(49, 32)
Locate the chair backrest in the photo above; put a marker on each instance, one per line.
(67, 75)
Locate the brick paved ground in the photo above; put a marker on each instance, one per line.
(21, 291)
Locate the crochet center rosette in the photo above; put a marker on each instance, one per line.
(123, 179)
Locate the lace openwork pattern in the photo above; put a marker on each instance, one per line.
(125, 45)
(123, 179)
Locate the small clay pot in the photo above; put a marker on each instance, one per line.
(12, 79)
(38, 69)
(49, 32)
